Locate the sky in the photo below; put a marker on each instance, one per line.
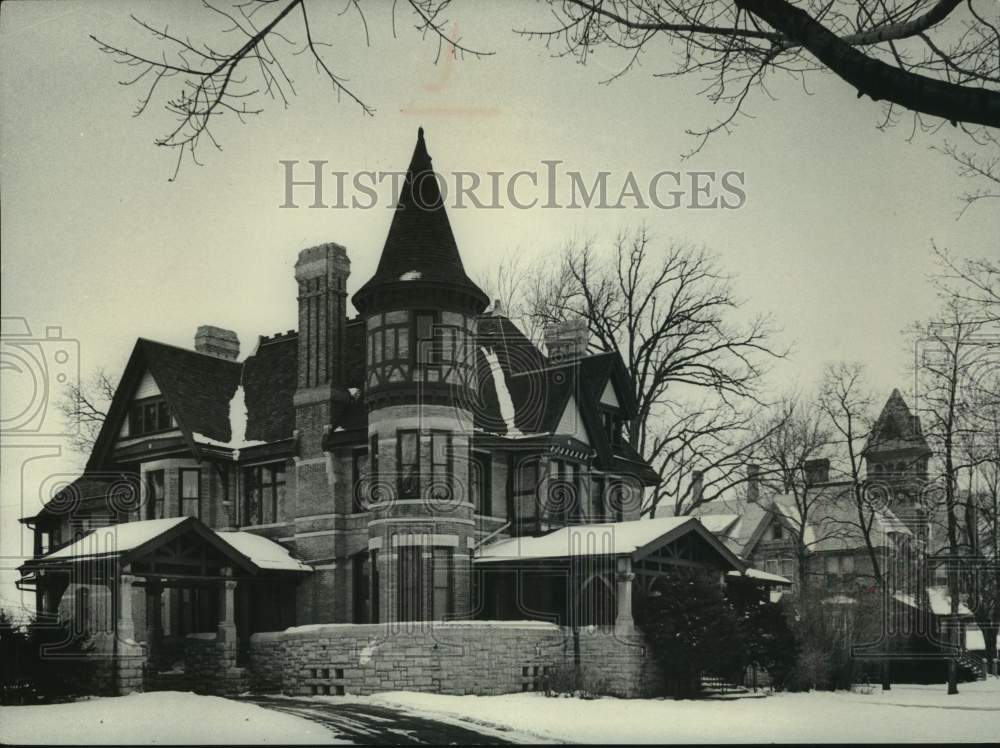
(833, 238)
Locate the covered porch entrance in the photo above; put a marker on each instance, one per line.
(585, 575)
(119, 577)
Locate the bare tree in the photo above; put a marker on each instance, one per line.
(847, 404)
(219, 79)
(802, 435)
(696, 372)
(84, 404)
(972, 280)
(951, 349)
(936, 58)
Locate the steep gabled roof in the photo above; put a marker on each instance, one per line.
(196, 386)
(896, 429)
(269, 380)
(420, 248)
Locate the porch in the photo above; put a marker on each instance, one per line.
(120, 575)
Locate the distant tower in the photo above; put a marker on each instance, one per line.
(420, 311)
(897, 457)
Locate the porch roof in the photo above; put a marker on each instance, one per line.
(634, 538)
(132, 541)
(762, 576)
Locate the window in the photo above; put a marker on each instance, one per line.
(149, 417)
(373, 599)
(597, 512)
(563, 490)
(481, 482)
(612, 427)
(787, 568)
(525, 489)
(442, 466)
(442, 597)
(777, 531)
(155, 495)
(263, 493)
(190, 492)
(410, 588)
(361, 485)
(360, 583)
(427, 338)
(408, 458)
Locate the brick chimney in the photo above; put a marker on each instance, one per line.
(567, 340)
(753, 482)
(218, 342)
(321, 273)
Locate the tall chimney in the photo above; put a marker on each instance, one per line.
(697, 484)
(218, 342)
(817, 471)
(321, 273)
(753, 482)
(567, 340)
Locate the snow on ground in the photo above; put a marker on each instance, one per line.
(907, 713)
(166, 717)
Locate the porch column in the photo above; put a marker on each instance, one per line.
(227, 608)
(624, 624)
(122, 594)
(50, 591)
(154, 618)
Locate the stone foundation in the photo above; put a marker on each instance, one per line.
(468, 657)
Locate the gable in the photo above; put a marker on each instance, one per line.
(608, 397)
(571, 422)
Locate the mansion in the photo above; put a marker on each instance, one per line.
(420, 461)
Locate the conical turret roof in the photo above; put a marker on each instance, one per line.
(420, 248)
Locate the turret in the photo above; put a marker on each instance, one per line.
(420, 312)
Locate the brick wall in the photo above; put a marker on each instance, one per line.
(469, 657)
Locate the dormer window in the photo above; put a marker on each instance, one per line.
(777, 531)
(149, 416)
(612, 427)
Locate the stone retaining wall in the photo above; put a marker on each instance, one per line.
(467, 657)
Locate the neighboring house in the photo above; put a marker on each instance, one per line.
(906, 529)
(410, 463)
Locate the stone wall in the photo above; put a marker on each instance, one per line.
(210, 665)
(466, 657)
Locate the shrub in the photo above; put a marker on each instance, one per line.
(44, 661)
(692, 631)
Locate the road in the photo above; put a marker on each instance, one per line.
(367, 724)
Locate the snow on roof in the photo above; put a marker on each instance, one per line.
(237, 425)
(264, 552)
(607, 538)
(115, 539)
(716, 523)
(504, 399)
(939, 600)
(974, 639)
(764, 576)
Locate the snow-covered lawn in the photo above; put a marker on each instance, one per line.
(906, 713)
(166, 717)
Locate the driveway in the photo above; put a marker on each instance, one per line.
(367, 724)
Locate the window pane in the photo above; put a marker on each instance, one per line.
(163, 416)
(360, 479)
(409, 465)
(189, 484)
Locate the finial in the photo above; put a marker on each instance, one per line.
(420, 133)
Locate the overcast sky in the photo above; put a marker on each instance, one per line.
(833, 239)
